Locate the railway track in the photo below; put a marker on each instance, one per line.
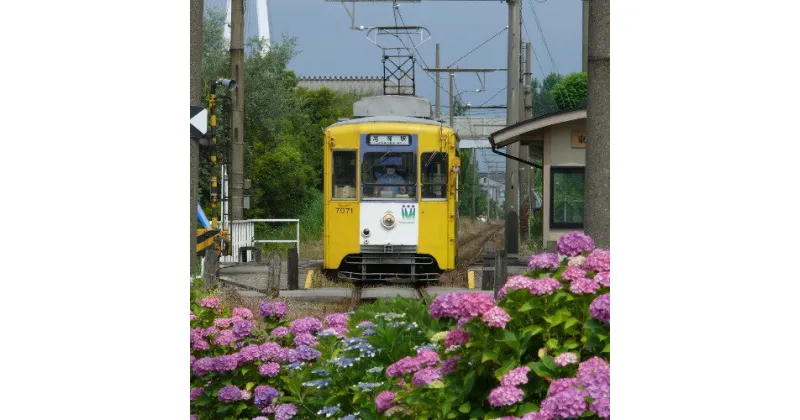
(357, 296)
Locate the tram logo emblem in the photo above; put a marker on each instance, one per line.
(408, 212)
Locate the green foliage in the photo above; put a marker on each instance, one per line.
(468, 186)
(543, 102)
(282, 128)
(570, 91)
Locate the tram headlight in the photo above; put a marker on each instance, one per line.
(388, 220)
(365, 232)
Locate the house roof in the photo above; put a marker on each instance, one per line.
(510, 134)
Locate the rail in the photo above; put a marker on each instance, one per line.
(243, 235)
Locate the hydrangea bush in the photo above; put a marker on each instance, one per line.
(541, 351)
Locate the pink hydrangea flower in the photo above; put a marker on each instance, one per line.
(598, 260)
(537, 415)
(270, 369)
(545, 260)
(225, 338)
(565, 359)
(560, 385)
(496, 317)
(305, 339)
(505, 395)
(603, 278)
(426, 376)
(594, 375)
(573, 273)
(460, 305)
(515, 377)
(584, 285)
(449, 364)
(515, 282)
(566, 404)
(574, 243)
(600, 308)
(601, 407)
(545, 286)
(456, 337)
(223, 322)
(244, 313)
(192, 317)
(272, 309)
(280, 332)
(305, 325)
(210, 302)
(385, 400)
(250, 353)
(336, 320)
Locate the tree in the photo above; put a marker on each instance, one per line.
(570, 91)
(543, 102)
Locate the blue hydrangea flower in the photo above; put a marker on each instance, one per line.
(344, 361)
(350, 416)
(328, 411)
(376, 369)
(319, 383)
(320, 372)
(294, 366)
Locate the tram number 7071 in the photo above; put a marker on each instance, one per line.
(344, 210)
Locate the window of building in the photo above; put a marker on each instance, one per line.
(434, 175)
(566, 197)
(344, 175)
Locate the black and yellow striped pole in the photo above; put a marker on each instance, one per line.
(212, 102)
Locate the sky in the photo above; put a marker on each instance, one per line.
(328, 47)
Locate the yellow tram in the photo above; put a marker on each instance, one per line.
(390, 185)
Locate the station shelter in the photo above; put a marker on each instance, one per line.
(559, 140)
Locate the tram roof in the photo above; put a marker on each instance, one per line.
(389, 119)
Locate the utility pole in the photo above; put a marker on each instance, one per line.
(596, 204)
(195, 93)
(237, 112)
(438, 88)
(525, 171)
(512, 117)
(452, 107)
(584, 63)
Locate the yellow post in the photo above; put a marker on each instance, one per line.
(471, 279)
(309, 276)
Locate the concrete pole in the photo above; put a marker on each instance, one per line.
(584, 61)
(452, 102)
(195, 93)
(512, 117)
(438, 87)
(525, 171)
(237, 112)
(597, 222)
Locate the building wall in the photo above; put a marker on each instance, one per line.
(558, 151)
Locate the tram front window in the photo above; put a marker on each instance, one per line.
(389, 175)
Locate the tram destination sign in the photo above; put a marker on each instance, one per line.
(389, 139)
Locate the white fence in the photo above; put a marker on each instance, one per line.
(243, 235)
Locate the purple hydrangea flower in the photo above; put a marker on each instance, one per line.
(573, 273)
(336, 320)
(545, 260)
(226, 363)
(307, 353)
(242, 328)
(223, 322)
(270, 369)
(210, 302)
(449, 364)
(594, 375)
(537, 415)
(230, 393)
(460, 305)
(566, 404)
(426, 376)
(505, 395)
(203, 366)
(456, 337)
(264, 395)
(365, 324)
(271, 351)
(565, 359)
(560, 385)
(515, 377)
(272, 309)
(305, 339)
(385, 400)
(601, 308)
(496, 317)
(225, 338)
(598, 260)
(280, 332)
(603, 278)
(305, 325)
(545, 286)
(515, 282)
(243, 313)
(584, 285)
(285, 411)
(574, 243)
(249, 353)
(194, 393)
(601, 407)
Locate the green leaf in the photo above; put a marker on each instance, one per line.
(571, 344)
(607, 348)
(552, 343)
(489, 355)
(249, 386)
(531, 330)
(570, 322)
(464, 408)
(527, 408)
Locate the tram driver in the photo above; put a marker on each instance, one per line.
(389, 176)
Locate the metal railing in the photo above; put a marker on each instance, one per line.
(243, 235)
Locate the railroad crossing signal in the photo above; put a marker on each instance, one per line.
(198, 122)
